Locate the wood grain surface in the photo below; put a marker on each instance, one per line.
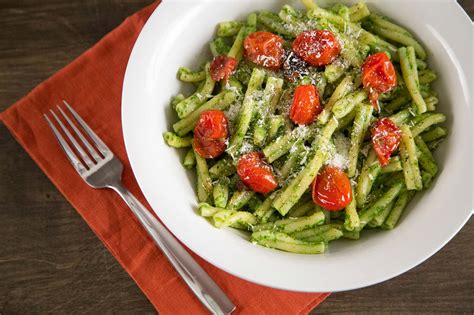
(51, 262)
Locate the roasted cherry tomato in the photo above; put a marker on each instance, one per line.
(210, 134)
(332, 189)
(264, 49)
(317, 47)
(222, 67)
(378, 76)
(208, 148)
(305, 105)
(255, 173)
(385, 139)
(212, 124)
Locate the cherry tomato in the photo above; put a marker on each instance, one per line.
(378, 76)
(255, 173)
(212, 124)
(385, 139)
(332, 189)
(317, 47)
(306, 105)
(222, 67)
(264, 49)
(210, 134)
(208, 148)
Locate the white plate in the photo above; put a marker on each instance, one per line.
(178, 33)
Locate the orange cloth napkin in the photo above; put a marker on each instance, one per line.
(93, 85)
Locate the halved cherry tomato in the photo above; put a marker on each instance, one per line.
(264, 49)
(255, 173)
(332, 189)
(222, 67)
(208, 148)
(210, 134)
(212, 124)
(378, 76)
(317, 47)
(305, 105)
(385, 139)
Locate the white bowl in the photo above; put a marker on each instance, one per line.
(178, 33)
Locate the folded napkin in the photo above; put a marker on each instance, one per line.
(93, 85)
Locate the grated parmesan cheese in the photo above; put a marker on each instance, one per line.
(246, 147)
(301, 131)
(340, 161)
(233, 111)
(341, 157)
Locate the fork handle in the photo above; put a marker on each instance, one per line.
(208, 292)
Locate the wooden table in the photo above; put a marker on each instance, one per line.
(50, 261)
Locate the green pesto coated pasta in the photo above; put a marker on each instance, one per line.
(344, 105)
(176, 141)
(299, 184)
(188, 105)
(186, 75)
(276, 24)
(246, 111)
(393, 166)
(270, 98)
(220, 102)
(206, 210)
(344, 87)
(178, 98)
(284, 242)
(428, 121)
(189, 160)
(397, 210)
(410, 75)
(237, 47)
(269, 197)
(409, 158)
(379, 219)
(326, 236)
(239, 219)
(358, 11)
(220, 193)
(239, 199)
(301, 209)
(222, 168)
(352, 29)
(219, 47)
(275, 124)
(425, 158)
(366, 215)
(265, 210)
(370, 171)
(226, 29)
(352, 221)
(434, 134)
(204, 183)
(292, 225)
(359, 129)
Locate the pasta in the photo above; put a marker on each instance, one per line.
(297, 137)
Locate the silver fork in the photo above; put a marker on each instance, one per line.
(99, 168)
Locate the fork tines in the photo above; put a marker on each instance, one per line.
(83, 157)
